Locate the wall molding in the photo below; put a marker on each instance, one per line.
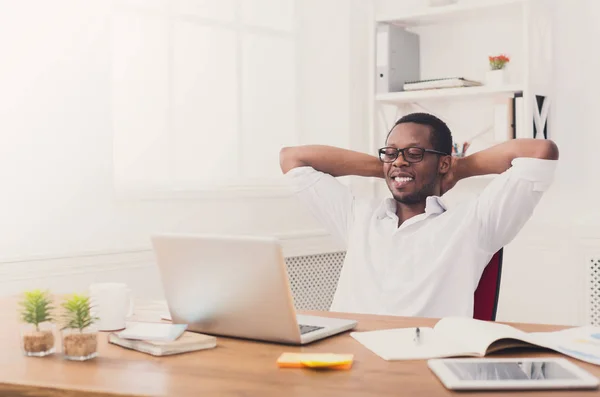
(310, 242)
(77, 263)
(302, 243)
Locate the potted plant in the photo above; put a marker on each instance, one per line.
(37, 334)
(80, 339)
(496, 74)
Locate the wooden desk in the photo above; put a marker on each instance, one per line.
(234, 368)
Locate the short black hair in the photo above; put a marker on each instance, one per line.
(440, 137)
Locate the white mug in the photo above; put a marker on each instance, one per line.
(112, 304)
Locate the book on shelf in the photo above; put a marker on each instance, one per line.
(446, 82)
(187, 342)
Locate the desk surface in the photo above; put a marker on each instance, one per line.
(235, 367)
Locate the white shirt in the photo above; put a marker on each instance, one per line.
(430, 266)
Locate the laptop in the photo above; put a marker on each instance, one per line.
(235, 286)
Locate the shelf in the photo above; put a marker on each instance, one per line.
(401, 97)
(431, 15)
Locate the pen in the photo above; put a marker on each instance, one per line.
(417, 335)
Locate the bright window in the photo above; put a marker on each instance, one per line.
(204, 93)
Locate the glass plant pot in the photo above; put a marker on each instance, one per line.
(38, 341)
(80, 345)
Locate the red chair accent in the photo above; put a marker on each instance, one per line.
(488, 290)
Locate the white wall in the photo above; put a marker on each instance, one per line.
(544, 267)
(547, 281)
(56, 153)
(56, 156)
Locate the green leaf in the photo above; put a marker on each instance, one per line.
(36, 307)
(77, 312)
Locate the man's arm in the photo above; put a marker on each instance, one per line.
(311, 170)
(330, 160)
(498, 158)
(526, 168)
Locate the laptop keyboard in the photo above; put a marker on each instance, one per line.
(305, 329)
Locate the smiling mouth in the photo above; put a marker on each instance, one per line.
(401, 181)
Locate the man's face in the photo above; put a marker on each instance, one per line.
(412, 183)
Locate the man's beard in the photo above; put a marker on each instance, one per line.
(418, 196)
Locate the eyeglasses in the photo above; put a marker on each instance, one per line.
(410, 154)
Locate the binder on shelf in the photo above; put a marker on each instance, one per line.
(519, 126)
(397, 58)
(540, 117)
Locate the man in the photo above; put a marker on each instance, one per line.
(410, 255)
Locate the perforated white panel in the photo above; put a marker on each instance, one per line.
(313, 279)
(593, 291)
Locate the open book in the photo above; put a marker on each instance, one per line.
(465, 337)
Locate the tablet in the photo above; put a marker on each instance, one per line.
(511, 373)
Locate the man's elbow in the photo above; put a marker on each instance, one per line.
(547, 150)
(288, 159)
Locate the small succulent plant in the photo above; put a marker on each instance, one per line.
(36, 308)
(77, 313)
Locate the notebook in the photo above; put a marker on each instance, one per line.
(447, 82)
(158, 332)
(466, 337)
(187, 342)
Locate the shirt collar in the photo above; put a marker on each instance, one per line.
(433, 205)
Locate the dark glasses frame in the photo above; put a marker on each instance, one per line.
(416, 151)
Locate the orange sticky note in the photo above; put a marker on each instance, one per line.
(315, 360)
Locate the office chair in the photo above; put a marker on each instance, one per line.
(486, 295)
(313, 279)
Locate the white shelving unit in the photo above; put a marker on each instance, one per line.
(455, 41)
(398, 98)
(458, 11)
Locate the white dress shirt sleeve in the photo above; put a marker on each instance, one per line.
(330, 202)
(507, 203)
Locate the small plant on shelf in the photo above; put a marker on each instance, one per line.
(496, 75)
(80, 340)
(498, 62)
(37, 335)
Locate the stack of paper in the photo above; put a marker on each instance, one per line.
(188, 342)
(450, 82)
(161, 339)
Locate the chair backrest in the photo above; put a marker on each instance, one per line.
(314, 278)
(488, 290)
